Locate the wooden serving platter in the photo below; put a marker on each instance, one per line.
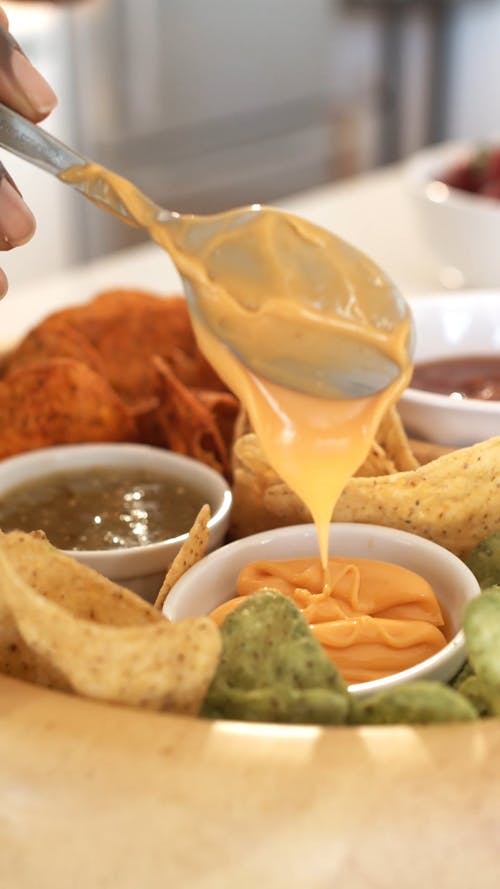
(103, 797)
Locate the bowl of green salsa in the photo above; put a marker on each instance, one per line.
(122, 509)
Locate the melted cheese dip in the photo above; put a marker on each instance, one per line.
(372, 618)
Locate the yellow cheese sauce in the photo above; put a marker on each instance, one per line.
(372, 618)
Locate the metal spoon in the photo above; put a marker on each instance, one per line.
(295, 263)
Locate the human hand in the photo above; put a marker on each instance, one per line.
(23, 88)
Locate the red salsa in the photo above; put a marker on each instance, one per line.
(478, 174)
(471, 376)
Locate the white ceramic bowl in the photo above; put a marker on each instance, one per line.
(140, 568)
(451, 325)
(212, 581)
(462, 229)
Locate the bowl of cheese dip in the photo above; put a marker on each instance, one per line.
(392, 614)
(122, 509)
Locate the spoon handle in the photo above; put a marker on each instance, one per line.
(35, 145)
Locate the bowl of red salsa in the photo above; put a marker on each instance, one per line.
(454, 395)
(455, 193)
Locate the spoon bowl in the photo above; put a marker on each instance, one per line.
(309, 312)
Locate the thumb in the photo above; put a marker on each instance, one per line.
(22, 87)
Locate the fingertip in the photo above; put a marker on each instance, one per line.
(40, 114)
(37, 92)
(17, 222)
(22, 86)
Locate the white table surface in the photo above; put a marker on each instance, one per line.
(373, 212)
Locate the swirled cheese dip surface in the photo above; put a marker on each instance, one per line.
(372, 618)
(314, 443)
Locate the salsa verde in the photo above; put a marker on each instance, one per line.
(103, 507)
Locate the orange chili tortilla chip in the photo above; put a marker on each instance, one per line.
(143, 349)
(186, 425)
(54, 338)
(59, 401)
(224, 407)
(116, 649)
(192, 550)
(128, 327)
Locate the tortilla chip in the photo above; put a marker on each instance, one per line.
(148, 663)
(476, 692)
(127, 327)
(455, 500)
(272, 669)
(80, 590)
(391, 436)
(390, 452)
(224, 407)
(192, 550)
(16, 657)
(482, 638)
(188, 425)
(54, 338)
(484, 561)
(253, 481)
(417, 703)
(377, 462)
(169, 395)
(242, 425)
(248, 458)
(426, 451)
(59, 401)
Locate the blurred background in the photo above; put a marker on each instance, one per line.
(207, 104)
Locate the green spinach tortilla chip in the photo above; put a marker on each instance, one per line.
(272, 668)
(418, 703)
(484, 561)
(482, 638)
